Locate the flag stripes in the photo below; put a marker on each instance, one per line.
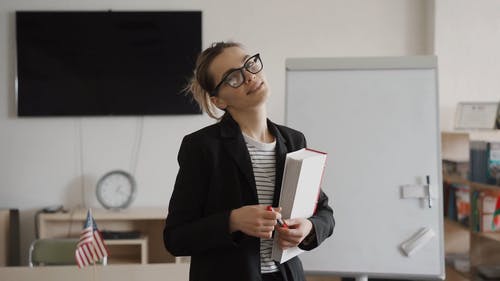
(90, 247)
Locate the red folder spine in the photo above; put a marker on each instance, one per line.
(321, 181)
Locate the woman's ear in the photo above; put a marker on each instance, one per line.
(218, 102)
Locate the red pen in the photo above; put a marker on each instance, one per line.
(280, 221)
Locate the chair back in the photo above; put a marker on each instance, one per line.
(57, 251)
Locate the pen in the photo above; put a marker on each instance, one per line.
(280, 221)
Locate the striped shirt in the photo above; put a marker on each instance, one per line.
(263, 156)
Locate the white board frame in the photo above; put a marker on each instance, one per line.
(373, 64)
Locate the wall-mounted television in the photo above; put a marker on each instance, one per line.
(100, 63)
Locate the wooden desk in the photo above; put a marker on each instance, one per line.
(132, 272)
(9, 237)
(146, 249)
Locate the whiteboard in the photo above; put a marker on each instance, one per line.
(377, 118)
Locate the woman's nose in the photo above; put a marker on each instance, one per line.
(250, 77)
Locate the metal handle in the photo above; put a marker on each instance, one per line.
(429, 191)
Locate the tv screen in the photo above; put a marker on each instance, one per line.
(86, 63)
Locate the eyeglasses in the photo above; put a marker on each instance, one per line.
(235, 77)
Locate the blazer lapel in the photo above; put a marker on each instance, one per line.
(281, 150)
(236, 147)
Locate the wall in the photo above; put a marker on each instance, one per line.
(467, 43)
(42, 160)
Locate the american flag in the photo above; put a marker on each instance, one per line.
(91, 247)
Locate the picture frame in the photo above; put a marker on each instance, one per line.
(476, 115)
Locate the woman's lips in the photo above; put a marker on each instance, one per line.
(256, 88)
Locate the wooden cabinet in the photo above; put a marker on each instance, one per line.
(9, 237)
(148, 248)
(484, 245)
(483, 248)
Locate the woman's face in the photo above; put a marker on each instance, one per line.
(250, 94)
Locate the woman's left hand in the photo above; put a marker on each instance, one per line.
(297, 230)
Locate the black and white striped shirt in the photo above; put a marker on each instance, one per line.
(263, 156)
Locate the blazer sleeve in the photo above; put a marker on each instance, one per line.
(187, 231)
(323, 224)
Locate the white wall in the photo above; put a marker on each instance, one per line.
(40, 160)
(467, 43)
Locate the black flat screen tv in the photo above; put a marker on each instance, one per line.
(93, 63)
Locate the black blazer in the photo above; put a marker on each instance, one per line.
(215, 176)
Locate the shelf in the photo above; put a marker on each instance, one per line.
(484, 186)
(480, 135)
(490, 235)
(456, 179)
(144, 213)
(148, 221)
(138, 241)
(124, 260)
(142, 252)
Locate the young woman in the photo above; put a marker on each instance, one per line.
(230, 172)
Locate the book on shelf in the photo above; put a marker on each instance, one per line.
(300, 189)
(493, 153)
(485, 162)
(478, 161)
(462, 195)
(457, 202)
(484, 206)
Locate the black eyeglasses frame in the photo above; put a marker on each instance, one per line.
(240, 69)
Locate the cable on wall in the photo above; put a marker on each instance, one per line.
(136, 148)
(82, 176)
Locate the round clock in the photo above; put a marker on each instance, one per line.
(116, 190)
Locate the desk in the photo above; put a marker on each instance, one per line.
(9, 237)
(132, 272)
(146, 249)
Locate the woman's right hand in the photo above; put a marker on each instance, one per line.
(254, 220)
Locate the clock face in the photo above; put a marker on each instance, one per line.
(115, 190)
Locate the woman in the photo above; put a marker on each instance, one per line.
(230, 172)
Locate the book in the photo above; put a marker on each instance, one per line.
(493, 166)
(458, 203)
(479, 161)
(300, 189)
(483, 209)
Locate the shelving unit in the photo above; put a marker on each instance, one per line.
(128, 250)
(482, 248)
(485, 246)
(148, 248)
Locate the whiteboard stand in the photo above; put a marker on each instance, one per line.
(362, 278)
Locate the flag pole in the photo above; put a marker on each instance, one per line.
(91, 247)
(93, 263)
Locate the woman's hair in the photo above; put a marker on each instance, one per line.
(202, 82)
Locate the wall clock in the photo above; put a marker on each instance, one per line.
(116, 190)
